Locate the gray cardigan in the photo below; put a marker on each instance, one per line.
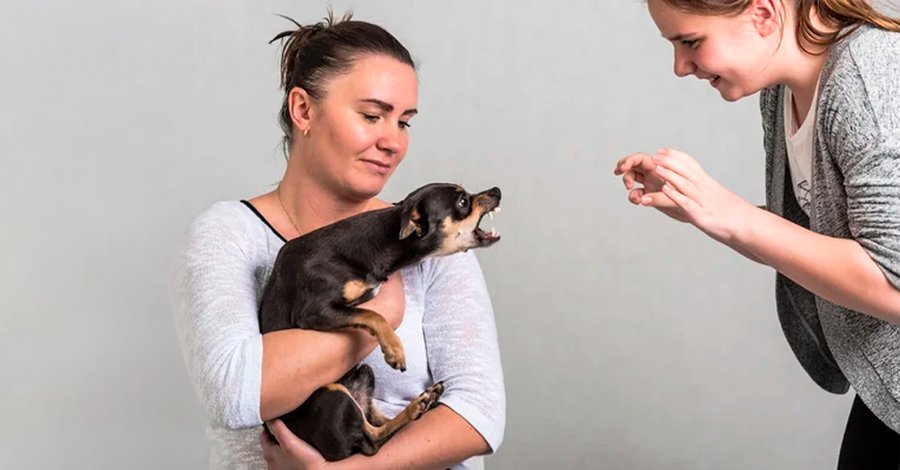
(855, 193)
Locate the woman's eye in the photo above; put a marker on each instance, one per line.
(370, 117)
(692, 43)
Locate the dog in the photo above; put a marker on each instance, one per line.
(319, 279)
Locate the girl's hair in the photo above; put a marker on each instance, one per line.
(316, 53)
(842, 16)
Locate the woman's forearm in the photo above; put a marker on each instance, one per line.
(836, 269)
(297, 362)
(438, 440)
(745, 253)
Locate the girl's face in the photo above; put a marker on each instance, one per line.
(732, 52)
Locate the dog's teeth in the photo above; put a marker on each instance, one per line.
(493, 232)
(497, 209)
(491, 215)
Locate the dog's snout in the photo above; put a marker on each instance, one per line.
(494, 192)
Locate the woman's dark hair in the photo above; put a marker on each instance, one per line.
(314, 54)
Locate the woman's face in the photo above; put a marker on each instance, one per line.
(732, 52)
(359, 132)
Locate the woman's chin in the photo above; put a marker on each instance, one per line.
(731, 95)
(367, 188)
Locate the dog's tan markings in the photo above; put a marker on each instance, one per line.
(424, 402)
(456, 230)
(338, 388)
(342, 389)
(378, 327)
(377, 418)
(353, 290)
(413, 225)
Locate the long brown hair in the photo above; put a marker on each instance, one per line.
(842, 17)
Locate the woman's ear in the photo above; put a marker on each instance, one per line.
(767, 16)
(300, 107)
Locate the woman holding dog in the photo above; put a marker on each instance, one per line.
(350, 93)
(828, 73)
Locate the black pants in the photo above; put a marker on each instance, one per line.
(868, 443)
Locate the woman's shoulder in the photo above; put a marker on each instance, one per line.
(225, 224)
(221, 217)
(866, 60)
(457, 266)
(872, 42)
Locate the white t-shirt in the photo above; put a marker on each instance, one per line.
(799, 143)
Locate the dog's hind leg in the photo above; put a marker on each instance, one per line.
(360, 381)
(376, 417)
(424, 402)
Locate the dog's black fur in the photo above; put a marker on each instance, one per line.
(320, 278)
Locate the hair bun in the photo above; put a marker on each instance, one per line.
(296, 40)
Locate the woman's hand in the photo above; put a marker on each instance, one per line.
(292, 453)
(676, 184)
(640, 168)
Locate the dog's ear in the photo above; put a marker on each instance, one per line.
(411, 217)
(410, 223)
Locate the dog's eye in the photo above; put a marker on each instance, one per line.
(463, 202)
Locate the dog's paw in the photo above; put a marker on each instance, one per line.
(426, 401)
(395, 357)
(418, 407)
(434, 394)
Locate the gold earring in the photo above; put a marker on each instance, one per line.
(305, 132)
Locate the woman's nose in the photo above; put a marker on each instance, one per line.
(683, 65)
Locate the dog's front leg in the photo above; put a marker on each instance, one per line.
(378, 327)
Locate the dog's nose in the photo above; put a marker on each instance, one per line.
(494, 192)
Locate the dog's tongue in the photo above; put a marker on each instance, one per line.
(493, 234)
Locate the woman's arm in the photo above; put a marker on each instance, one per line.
(409, 449)
(240, 376)
(297, 362)
(836, 269)
(438, 440)
(858, 273)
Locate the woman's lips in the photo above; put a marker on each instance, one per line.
(378, 167)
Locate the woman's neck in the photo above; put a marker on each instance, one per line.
(801, 68)
(310, 204)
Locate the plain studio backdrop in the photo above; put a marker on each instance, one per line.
(628, 341)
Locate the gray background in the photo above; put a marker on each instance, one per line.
(629, 341)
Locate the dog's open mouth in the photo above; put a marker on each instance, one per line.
(487, 238)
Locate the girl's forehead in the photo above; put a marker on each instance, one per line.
(674, 23)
